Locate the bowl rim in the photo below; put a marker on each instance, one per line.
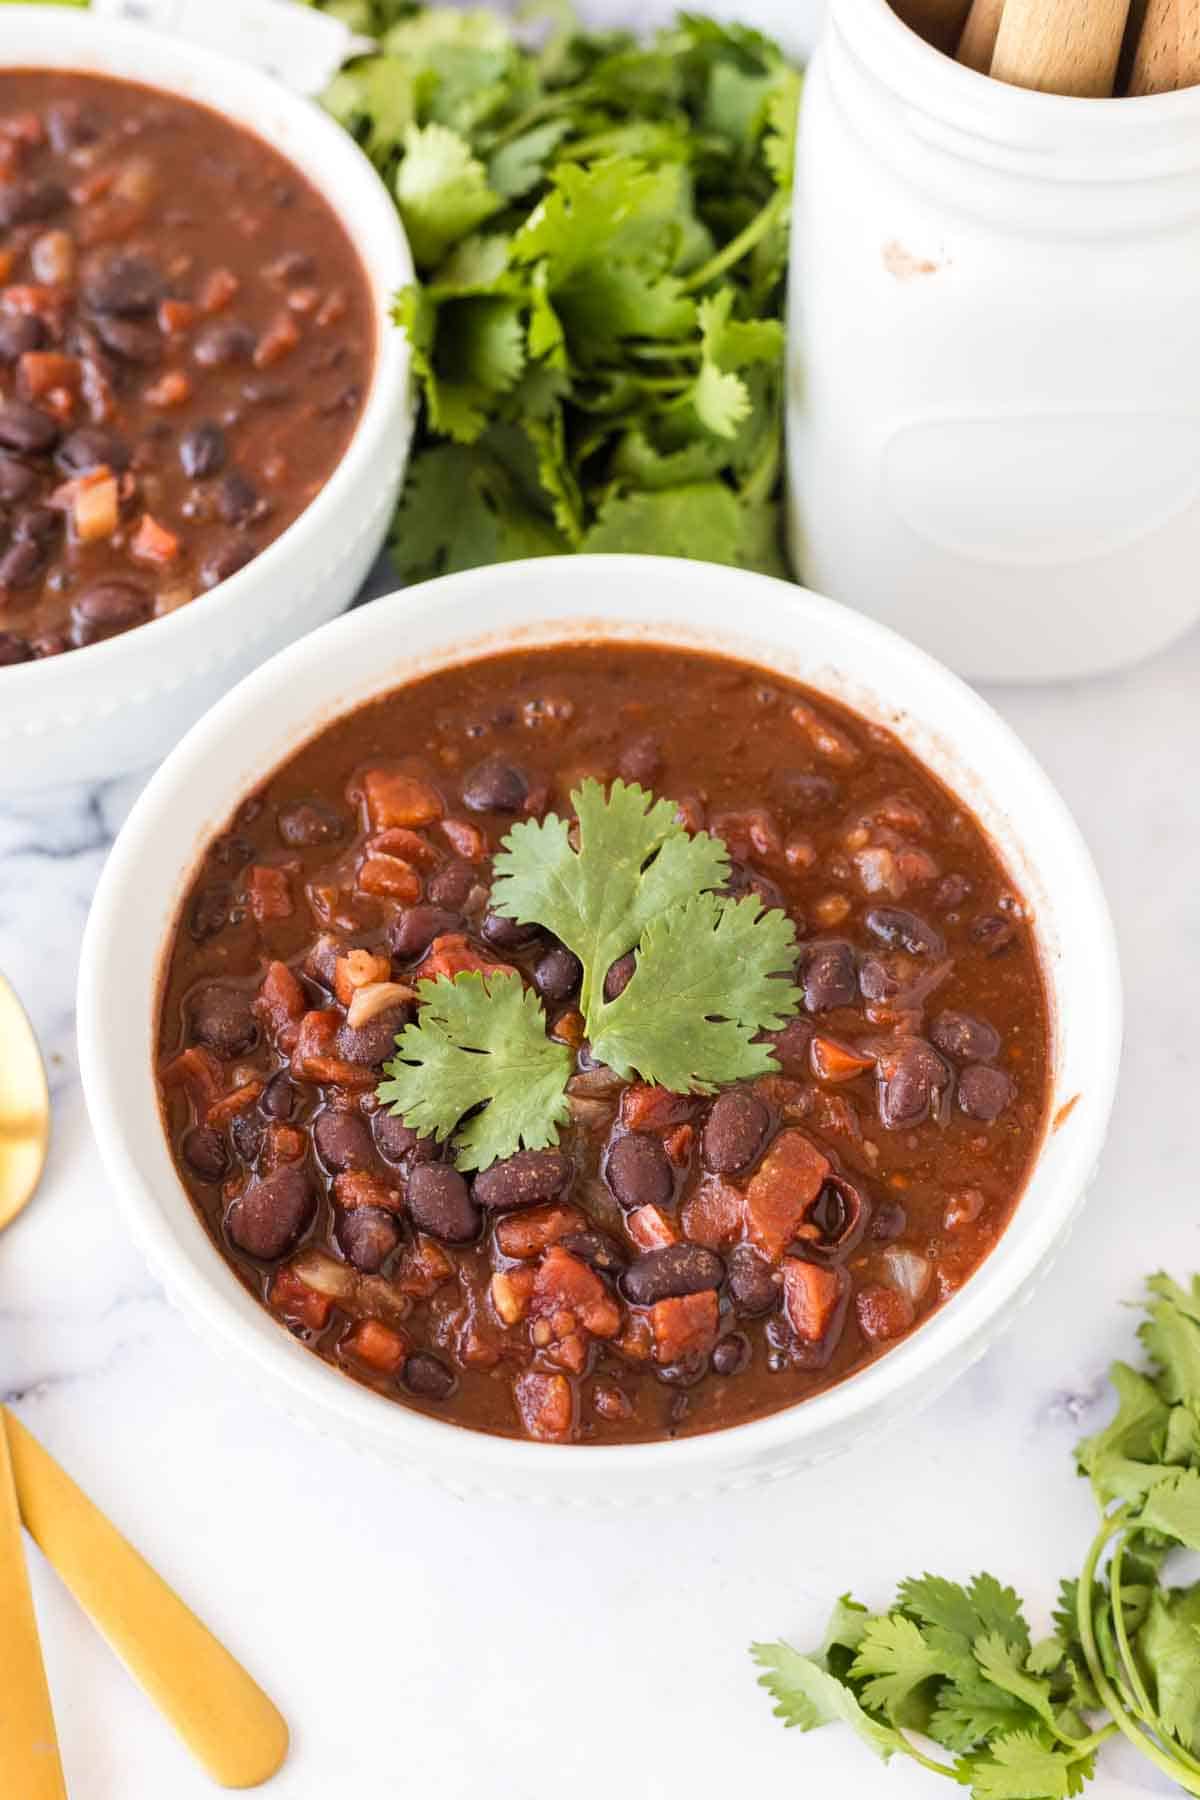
(328, 1396)
(126, 51)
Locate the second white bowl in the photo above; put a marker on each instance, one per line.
(626, 599)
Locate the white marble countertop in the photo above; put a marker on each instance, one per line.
(414, 1639)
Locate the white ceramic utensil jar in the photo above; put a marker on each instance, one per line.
(994, 413)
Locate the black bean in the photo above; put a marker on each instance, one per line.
(21, 564)
(557, 974)
(752, 1281)
(641, 760)
(17, 480)
(449, 886)
(123, 284)
(260, 392)
(20, 332)
(310, 822)
(343, 1140)
(109, 607)
(669, 1273)
(877, 981)
(984, 1093)
(279, 1097)
(638, 1171)
(439, 1202)
(838, 1213)
(806, 794)
(619, 975)
(375, 1041)
(911, 1074)
(368, 1236)
(226, 560)
(830, 977)
(13, 649)
(209, 911)
(205, 1153)
(132, 340)
(902, 930)
(399, 1143)
(508, 934)
(237, 500)
(427, 1376)
(412, 931)
(732, 1354)
(993, 933)
(791, 1044)
(219, 345)
(26, 428)
(223, 1018)
(22, 202)
(91, 447)
(202, 451)
(495, 785)
(734, 1131)
(523, 1179)
(950, 892)
(596, 1249)
(272, 1213)
(292, 266)
(744, 880)
(38, 524)
(964, 1037)
(889, 1221)
(247, 1134)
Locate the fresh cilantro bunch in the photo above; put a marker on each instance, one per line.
(711, 975)
(956, 1665)
(601, 232)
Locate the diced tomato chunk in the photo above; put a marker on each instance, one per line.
(294, 1299)
(393, 798)
(424, 1266)
(175, 316)
(281, 1003)
(172, 388)
(358, 969)
(511, 1291)
(199, 1073)
(782, 1190)
(356, 1187)
(832, 1061)
(153, 543)
(268, 892)
(565, 1284)
(378, 1346)
(277, 341)
(452, 954)
(811, 1297)
(217, 290)
(678, 1145)
(389, 878)
(281, 1144)
(534, 1228)
(645, 1108)
(883, 1313)
(95, 506)
(410, 846)
(713, 1214)
(685, 1326)
(650, 1228)
(238, 1100)
(39, 371)
(465, 840)
(545, 1404)
(314, 1056)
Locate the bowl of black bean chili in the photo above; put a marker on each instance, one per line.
(599, 1028)
(204, 408)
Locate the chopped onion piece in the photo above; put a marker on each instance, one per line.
(375, 998)
(908, 1270)
(324, 1273)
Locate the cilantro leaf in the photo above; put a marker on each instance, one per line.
(479, 1042)
(1021, 1766)
(707, 981)
(702, 521)
(1172, 1508)
(634, 862)
(1168, 1645)
(1134, 1435)
(894, 1659)
(808, 1696)
(442, 191)
(1001, 1662)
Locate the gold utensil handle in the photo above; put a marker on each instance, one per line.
(223, 1716)
(29, 1761)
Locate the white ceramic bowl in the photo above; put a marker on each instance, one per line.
(121, 704)
(623, 599)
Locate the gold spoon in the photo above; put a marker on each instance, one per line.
(222, 1715)
(29, 1759)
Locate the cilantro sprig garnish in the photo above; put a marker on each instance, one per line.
(600, 226)
(956, 1666)
(711, 974)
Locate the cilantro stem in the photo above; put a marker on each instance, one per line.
(738, 246)
(1112, 1526)
(1118, 1612)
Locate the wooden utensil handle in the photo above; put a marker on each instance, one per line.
(223, 1716)
(977, 44)
(937, 21)
(29, 1761)
(1156, 54)
(1070, 47)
